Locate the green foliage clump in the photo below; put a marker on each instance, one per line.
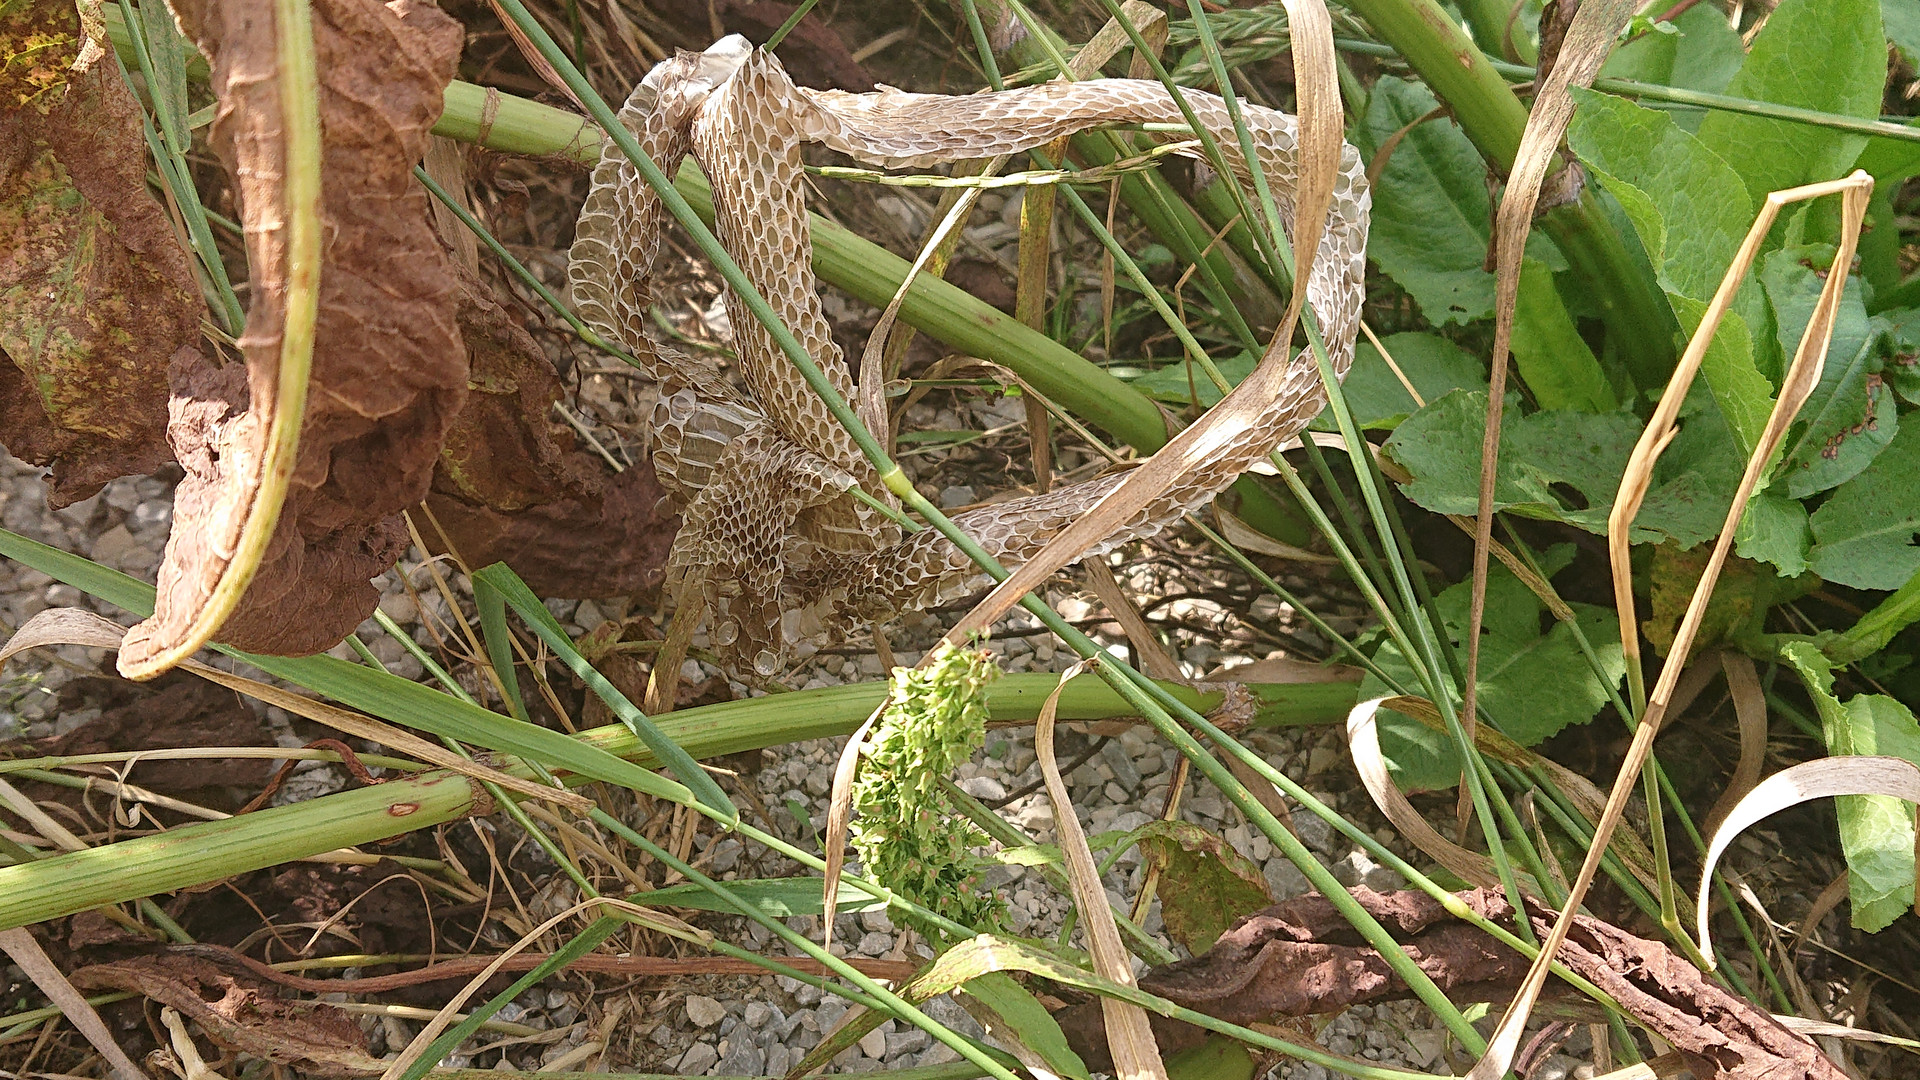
(908, 835)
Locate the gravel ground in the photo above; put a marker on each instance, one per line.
(740, 1027)
(744, 1027)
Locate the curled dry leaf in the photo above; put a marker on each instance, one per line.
(388, 370)
(510, 487)
(1817, 779)
(1301, 957)
(243, 1013)
(96, 293)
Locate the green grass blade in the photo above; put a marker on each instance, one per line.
(375, 692)
(501, 579)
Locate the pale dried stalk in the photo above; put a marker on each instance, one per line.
(1129, 1035)
(1318, 156)
(1586, 45)
(77, 626)
(1802, 377)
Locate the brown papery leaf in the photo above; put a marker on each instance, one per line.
(96, 293)
(388, 370)
(1301, 957)
(511, 487)
(243, 1014)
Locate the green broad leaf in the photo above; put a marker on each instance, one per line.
(1890, 161)
(1184, 382)
(1431, 213)
(1744, 395)
(378, 693)
(1377, 397)
(1777, 530)
(1558, 466)
(1553, 359)
(1702, 53)
(501, 580)
(1901, 346)
(1027, 1019)
(1205, 885)
(1532, 685)
(1863, 535)
(781, 898)
(1219, 1058)
(1876, 832)
(1828, 55)
(1849, 419)
(1695, 210)
(1660, 174)
(1901, 19)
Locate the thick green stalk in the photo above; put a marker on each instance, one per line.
(210, 851)
(1636, 313)
(194, 854)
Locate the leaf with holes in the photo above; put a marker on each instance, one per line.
(1205, 885)
(1850, 418)
(1863, 535)
(1561, 466)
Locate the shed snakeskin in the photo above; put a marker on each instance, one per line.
(773, 546)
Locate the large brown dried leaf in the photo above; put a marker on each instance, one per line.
(1301, 957)
(388, 370)
(243, 1014)
(96, 293)
(511, 487)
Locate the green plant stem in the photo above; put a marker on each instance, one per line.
(1674, 95)
(1635, 311)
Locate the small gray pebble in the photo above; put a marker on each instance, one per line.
(699, 1057)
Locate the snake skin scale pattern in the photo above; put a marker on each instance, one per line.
(772, 546)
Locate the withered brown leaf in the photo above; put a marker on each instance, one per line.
(512, 488)
(389, 372)
(1301, 957)
(241, 1013)
(96, 293)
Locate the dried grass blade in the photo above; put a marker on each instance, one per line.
(20, 947)
(1317, 83)
(1318, 163)
(1586, 45)
(1818, 779)
(839, 810)
(1129, 1036)
(77, 626)
(1750, 709)
(1801, 378)
(1363, 744)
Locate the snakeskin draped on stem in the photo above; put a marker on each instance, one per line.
(773, 547)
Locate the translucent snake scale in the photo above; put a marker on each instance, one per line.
(773, 546)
